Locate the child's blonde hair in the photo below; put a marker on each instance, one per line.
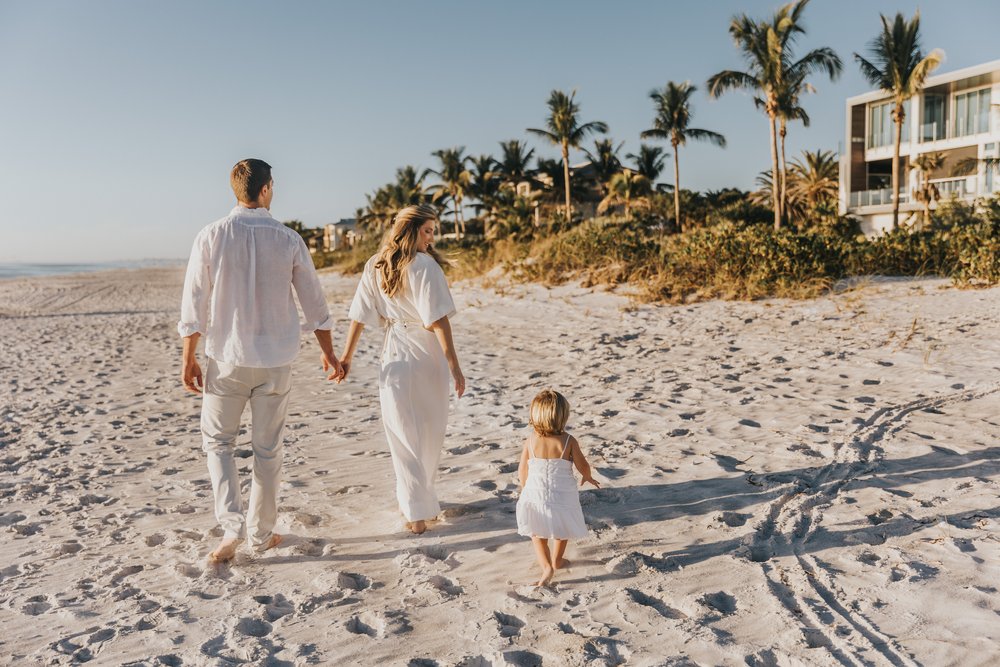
(549, 412)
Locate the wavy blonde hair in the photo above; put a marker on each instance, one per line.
(400, 246)
(549, 413)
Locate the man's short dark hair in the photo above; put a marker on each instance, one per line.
(248, 178)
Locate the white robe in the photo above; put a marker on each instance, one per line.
(414, 377)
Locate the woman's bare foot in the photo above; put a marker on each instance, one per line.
(547, 573)
(226, 550)
(561, 563)
(417, 527)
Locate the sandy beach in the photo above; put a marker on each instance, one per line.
(785, 483)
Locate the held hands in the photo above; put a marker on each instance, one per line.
(192, 378)
(590, 478)
(336, 371)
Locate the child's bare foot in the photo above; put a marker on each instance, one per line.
(547, 573)
(417, 527)
(561, 563)
(226, 550)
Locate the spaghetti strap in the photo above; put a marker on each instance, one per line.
(566, 448)
(531, 447)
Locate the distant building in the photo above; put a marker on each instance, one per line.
(956, 114)
(341, 235)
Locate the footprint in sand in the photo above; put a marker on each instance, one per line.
(657, 605)
(508, 626)
(366, 624)
(253, 627)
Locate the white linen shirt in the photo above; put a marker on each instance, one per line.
(238, 290)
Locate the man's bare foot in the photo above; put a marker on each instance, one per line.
(561, 563)
(273, 542)
(417, 527)
(226, 550)
(547, 573)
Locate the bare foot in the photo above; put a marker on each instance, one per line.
(273, 542)
(561, 563)
(417, 527)
(547, 573)
(225, 551)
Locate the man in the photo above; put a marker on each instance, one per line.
(238, 294)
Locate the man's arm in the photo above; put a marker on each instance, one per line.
(191, 371)
(329, 359)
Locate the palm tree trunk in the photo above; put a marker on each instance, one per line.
(775, 195)
(677, 190)
(461, 217)
(569, 206)
(784, 174)
(898, 118)
(628, 211)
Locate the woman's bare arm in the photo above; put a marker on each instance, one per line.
(442, 329)
(350, 345)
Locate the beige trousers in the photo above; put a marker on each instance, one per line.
(227, 391)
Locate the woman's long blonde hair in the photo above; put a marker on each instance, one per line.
(400, 246)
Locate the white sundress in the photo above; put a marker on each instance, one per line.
(549, 505)
(414, 379)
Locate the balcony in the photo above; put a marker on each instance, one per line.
(951, 130)
(956, 187)
(874, 198)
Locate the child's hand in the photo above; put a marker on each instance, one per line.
(591, 480)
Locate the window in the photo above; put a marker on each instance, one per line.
(881, 129)
(972, 112)
(933, 125)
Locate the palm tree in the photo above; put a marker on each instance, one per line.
(625, 188)
(485, 185)
(407, 189)
(900, 69)
(513, 164)
(649, 161)
(926, 164)
(455, 180)
(605, 161)
(563, 128)
(813, 182)
(673, 114)
(773, 74)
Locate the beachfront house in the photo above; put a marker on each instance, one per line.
(957, 114)
(341, 235)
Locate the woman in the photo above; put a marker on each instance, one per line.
(403, 290)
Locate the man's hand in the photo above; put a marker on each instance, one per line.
(336, 371)
(192, 378)
(191, 371)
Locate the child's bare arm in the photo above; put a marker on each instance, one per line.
(580, 461)
(522, 468)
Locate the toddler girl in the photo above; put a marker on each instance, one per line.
(549, 505)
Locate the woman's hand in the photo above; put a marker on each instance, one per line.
(335, 369)
(456, 374)
(590, 478)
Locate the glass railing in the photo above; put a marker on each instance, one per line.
(961, 128)
(874, 198)
(956, 187)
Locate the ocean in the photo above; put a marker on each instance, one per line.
(27, 270)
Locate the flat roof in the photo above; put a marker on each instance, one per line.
(989, 68)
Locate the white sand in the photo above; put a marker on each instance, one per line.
(786, 483)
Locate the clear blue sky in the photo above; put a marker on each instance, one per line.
(120, 120)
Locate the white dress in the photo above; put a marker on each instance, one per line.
(549, 505)
(414, 378)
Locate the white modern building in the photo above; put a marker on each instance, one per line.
(956, 114)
